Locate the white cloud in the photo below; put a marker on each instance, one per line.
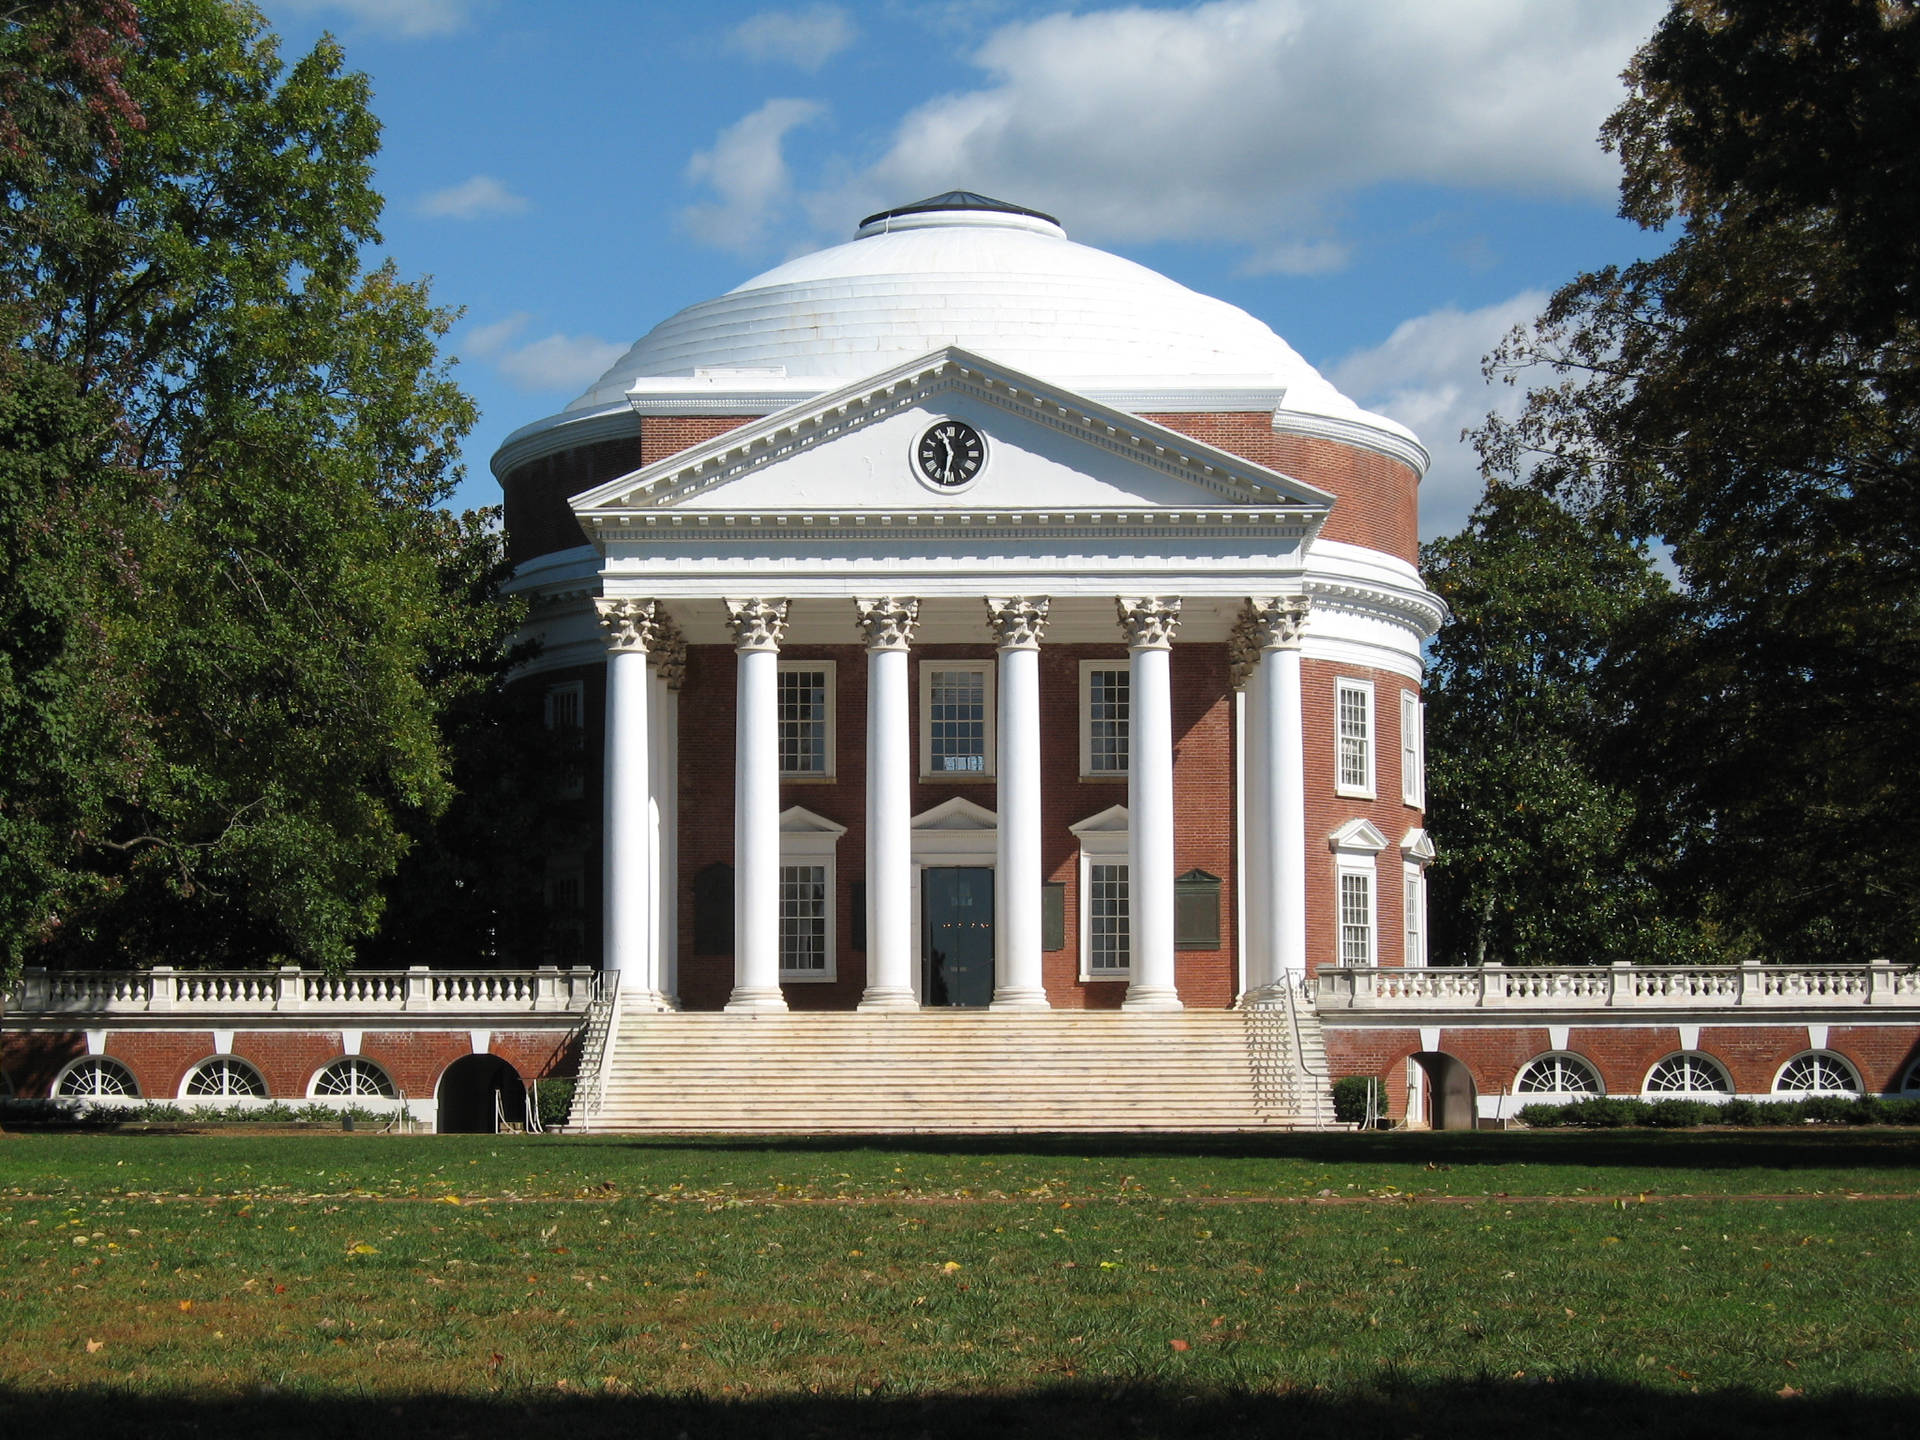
(472, 200)
(1426, 375)
(746, 170)
(554, 362)
(1297, 257)
(1242, 119)
(807, 38)
(408, 19)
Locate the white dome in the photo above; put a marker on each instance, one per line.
(1006, 285)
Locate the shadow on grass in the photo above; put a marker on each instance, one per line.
(1810, 1149)
(1567, 1410)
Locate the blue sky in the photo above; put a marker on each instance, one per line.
(1389, 184)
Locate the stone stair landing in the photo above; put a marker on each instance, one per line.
(952, 1072)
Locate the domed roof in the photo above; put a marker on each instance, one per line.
(1000, 280)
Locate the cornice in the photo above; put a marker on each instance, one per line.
(1358, 433)
(1283, 523)
(565, 432)
(1420, 609)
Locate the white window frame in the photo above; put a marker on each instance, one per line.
(828, 669)
(228, 1064)
(570, 694)
(1356, 852)
(1827, 1059)
(1696, 1060)
(1416, 850)
(1103, 840)
(1342, 687)
(354, 1066)
(990, 757)
(93, 1066)
(1562, 1061)
(810, 839)
(1088, 669)
(1413, 749)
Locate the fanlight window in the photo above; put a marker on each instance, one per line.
(226, 1078)
(1688, 1074)
(1557, 1075)
(97, 1078)
(353, 1079)
(1821, 1073)
(1911, 1083)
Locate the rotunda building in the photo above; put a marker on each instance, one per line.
(966, 618)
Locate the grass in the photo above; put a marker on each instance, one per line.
(1615, 1284)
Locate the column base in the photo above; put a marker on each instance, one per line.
(1155, 998)
(1020, 998)
(753, 1000)
(641, 1001)
(884, 997)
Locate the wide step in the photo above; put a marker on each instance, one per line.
(955, 1072)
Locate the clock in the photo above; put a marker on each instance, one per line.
(950, 453)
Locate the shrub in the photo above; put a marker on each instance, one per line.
(553, 1099)
(1351, 1096)
(1606, 1112)
(1900, 1112)
(1541, 1117)
(1676, 1114)
(1740, 1112)
(1827, 1109)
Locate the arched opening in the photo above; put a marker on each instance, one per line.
(470, 1090)
(1452, 1102)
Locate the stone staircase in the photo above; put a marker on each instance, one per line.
(961, 1071)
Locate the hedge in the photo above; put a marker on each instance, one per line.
(1608, 1112)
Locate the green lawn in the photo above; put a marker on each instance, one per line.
(1617, 1284)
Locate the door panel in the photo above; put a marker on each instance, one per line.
(956, 908)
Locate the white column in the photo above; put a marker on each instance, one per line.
(1148, 624)
(887, 626)
(1255, 890)
(656, 829)
(673, 669)
(1280, 846)
(757, 626)
(626, 929)
(1018, 882)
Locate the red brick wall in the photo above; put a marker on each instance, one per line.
(1327, 811)
(286, 1059)
(1376, 500)
(1203, 798)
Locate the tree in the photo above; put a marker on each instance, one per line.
(1546, 860)
(1751, 398)
(222, 446)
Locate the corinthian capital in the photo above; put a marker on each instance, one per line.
(629, 623)
(1018, 621)
(1148, 621)
(1242, 653)
(1275, 622)
(669, 649)
(887, 623)
(757, 624)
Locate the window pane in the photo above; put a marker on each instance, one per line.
(1108, 696)
(803, 722)
(1109, 939)
(803, 918)
(1355, 736)
(1356, 920)
(957, 721)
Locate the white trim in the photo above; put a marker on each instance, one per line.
(1413, 750)
(830, 669)
(1120, 665)
(1562, 1054)
(810, 839)
(1343, 685)
(360, 1062)
(1826, 1056)
(1394, 443)
(1359, 867)
(955, 834)
(1699, 1059)
(92, 1059)
(233, 1062)
(924, 684)
(1104, 840)
(1413, 920)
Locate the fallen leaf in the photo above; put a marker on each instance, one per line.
(950, 1266)
(1788, 1392)
(363, 1249)
(1177, 1345)
(94, 1346)
(186, 1305)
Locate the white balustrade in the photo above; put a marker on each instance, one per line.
(238, 993)
(1617, 987)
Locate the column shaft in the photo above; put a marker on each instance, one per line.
(1258, 804)
(1289, 821)
(756, 807)
(626, 933)
(890, 949)
(1019, 880)
(1150, 829)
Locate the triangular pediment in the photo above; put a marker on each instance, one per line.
(1416, 844)
(855, 451)
(1360, 835)
(798, 820)
(1110, 821)
(956, 814)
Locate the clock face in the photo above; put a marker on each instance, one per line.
(950, 453)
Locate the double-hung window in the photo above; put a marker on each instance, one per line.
(808, 844)
(1106, 713)
(566, 718)
(1353, 753)
(1413, 747)
(1356, 917)
(804, 699)
(1106, 909)
(956, 719)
